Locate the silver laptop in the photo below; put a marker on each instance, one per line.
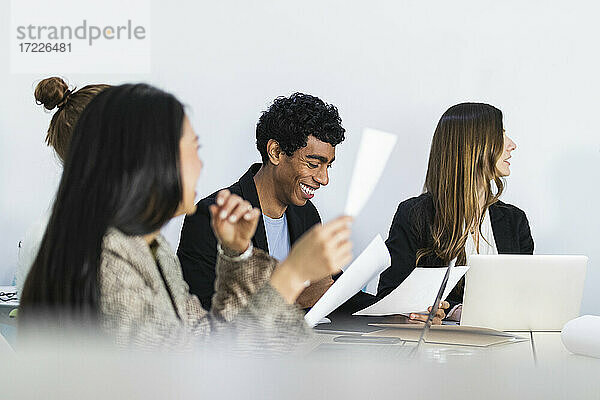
(523, 292)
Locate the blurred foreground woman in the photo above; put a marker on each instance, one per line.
(132, 166)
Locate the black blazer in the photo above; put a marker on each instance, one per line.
(197, 250)
(410, 231)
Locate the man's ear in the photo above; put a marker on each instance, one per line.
(274, 152)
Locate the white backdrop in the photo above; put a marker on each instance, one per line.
(392, 65)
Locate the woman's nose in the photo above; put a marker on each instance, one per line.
(511, 145)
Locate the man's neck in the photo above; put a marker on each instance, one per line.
(265, 187)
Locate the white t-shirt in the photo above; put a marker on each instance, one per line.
(487, 246)
(278, 237)
(487, 242)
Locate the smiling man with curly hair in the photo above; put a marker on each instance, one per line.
(296, 138)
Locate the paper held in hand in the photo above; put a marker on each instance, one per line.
(371, 262)
(373, 153)
(416, 293)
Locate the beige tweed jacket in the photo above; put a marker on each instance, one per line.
(139, 308)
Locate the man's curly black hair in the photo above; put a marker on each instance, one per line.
(291, 120)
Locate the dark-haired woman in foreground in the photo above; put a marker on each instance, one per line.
(459, 213)
(132, 166)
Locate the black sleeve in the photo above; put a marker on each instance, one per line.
(402, 244)
(525, 239)
(197, 254)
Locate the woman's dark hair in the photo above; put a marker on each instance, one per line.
(122, 171)
(291, 120)
(55, 93)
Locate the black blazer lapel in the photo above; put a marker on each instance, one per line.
(249, 193)
(260, 237)
(501, 229)
(295, 226)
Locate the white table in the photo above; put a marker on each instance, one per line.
(448, 372)
(541, 349)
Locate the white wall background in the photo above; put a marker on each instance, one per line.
(392, 65)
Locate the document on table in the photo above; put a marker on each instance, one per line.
(373, 153)
(447, 334)
(416, 293)
(371, 262)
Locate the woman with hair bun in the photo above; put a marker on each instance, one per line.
(54, 93)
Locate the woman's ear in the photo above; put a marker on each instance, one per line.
(274, 152)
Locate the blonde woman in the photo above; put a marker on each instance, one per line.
(459, 213)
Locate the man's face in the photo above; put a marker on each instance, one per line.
(299, 176)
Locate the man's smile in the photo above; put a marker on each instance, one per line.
(308, 191)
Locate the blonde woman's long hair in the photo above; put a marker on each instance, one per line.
(467, 143)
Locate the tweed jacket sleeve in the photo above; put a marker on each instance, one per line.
(145, 302)
(237, 281)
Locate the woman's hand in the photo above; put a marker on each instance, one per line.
(437, 319)
(320, 252)
(455, 316)
(233, 220)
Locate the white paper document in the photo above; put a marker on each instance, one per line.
(371, 262)
(372, 286)
(373, 153)
(417, 292)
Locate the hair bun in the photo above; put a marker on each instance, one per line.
(51, 92)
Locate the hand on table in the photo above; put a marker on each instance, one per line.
(437, 319)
